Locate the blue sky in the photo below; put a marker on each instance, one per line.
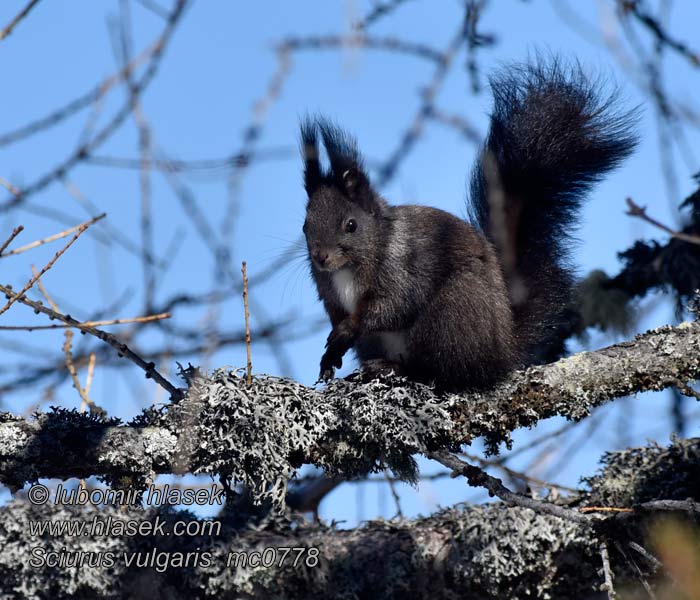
(218, 65)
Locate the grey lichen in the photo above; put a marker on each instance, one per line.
(654, 472)
(488, 552)
(258, 434)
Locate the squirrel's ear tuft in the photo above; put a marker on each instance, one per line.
(309, 153)
(347, 168)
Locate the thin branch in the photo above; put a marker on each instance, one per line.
(13, 298)
(638, 571)
(414, 130)
(686, 390)
(68, 355)
(378, 12)
(85, 149)
(51, 238)
(121, 348)
(640, 211)
(249, 364)
(72, 107)
(90, 372)
(394, 494)
(605, 509)
(86, 400)
(14, 190)
(534, 481)
(7, 30)
(15, 232)
(479, 478)
(146, 319)
(655, 562)
(208, 164)
(653, 25)
(390, 44)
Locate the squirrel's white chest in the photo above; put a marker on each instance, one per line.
(345, 287)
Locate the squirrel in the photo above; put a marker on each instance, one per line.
(420, 292)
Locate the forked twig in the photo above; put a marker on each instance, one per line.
(51, 238)
(634, 210)
(121, 348)
(36, 276)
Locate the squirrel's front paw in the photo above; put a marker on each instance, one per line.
(342, 337)
(329, 363)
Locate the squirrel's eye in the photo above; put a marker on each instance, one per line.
(304, 228)
(350, 226)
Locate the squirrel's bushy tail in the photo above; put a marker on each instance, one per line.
(552, 136)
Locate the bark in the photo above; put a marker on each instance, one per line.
(259, 434)
(482, 552)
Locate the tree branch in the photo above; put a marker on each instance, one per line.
(259, 434)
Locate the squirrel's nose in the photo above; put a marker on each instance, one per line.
(320, 257)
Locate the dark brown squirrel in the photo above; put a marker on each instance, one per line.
(421, 292)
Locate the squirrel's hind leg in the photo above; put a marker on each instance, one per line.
(374, 368)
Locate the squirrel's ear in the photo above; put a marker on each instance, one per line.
(356, 185)
(309, 153)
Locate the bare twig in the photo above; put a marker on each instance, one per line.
(534, 481)
(145, 151)
(362, 41)
(249, 364)
(44, 292)
(672, 505)
(640, 574)
(479, 478)
(121, 348)
(686, 390)
(608, 509)
(77, 104)
(48, 265)
(394, 494)
(653, 25)
(379, 11)
(458, 123)
(90, 372)
(155, 8)
(15, 232)
(14, 190)
(51, 238)
(7, 30)
(655, 562)
(208, 164)
(639, 211)
(85, 399)
(68, 355)
(103, 134)
(146, 319)
(414, 130)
